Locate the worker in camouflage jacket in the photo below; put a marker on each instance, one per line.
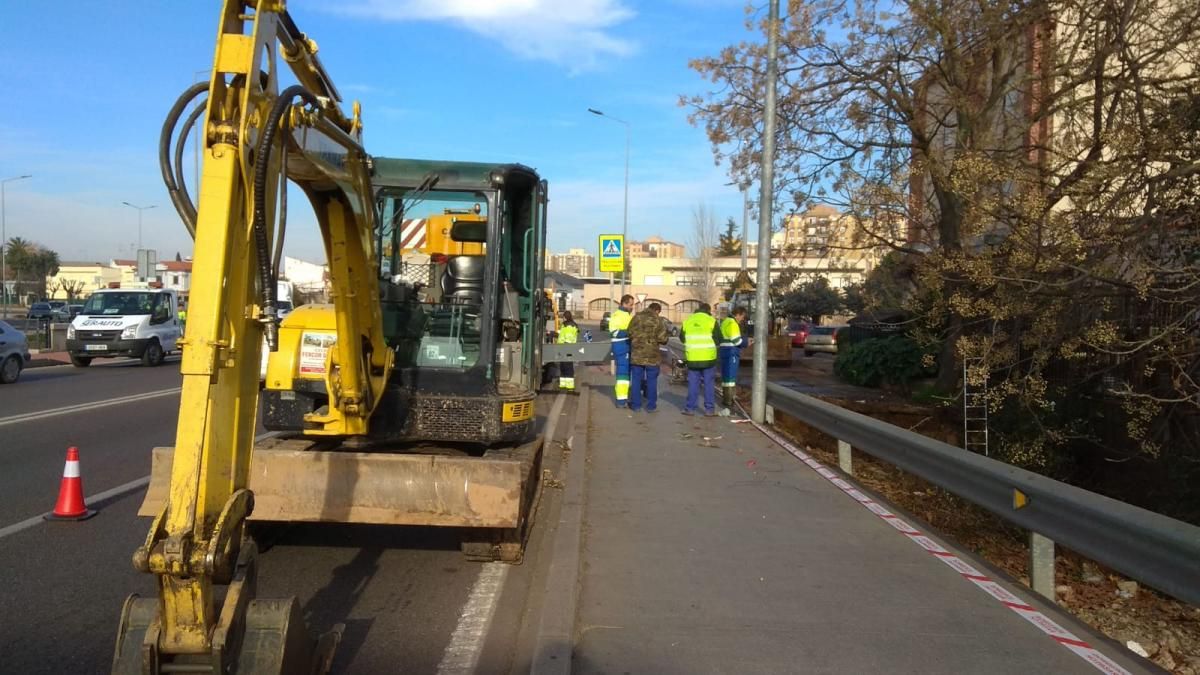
(647, 333)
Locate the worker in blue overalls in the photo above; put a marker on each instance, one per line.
(730, 353)
(618, 327)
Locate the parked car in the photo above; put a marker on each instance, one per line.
(604, 320)
(672, 329)
(822, 339)
(55, 311)
(14, 353)
(799, 333)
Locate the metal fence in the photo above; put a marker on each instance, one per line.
(37, 331)
(1156, 550)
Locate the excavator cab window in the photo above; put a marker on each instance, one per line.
(433, 284)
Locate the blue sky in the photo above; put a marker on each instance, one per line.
(489, 80)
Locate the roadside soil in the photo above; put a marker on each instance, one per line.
(1166, 630)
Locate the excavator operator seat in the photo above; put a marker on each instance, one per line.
(463, 281)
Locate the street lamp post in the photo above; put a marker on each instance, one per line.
(758, 392)
(139, 210)
(4, 242)
(746, 224)
(625, 218)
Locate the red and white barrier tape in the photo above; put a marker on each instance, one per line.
(1044, 623)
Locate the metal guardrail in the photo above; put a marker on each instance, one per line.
(1158, 551)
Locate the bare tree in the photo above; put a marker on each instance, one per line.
(72, 287)
(1044, 159)
(702, 246)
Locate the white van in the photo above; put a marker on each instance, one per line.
(134, 322)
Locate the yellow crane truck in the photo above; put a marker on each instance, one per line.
(779, 346)
(407, 400)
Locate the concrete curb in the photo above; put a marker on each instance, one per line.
(556, 630)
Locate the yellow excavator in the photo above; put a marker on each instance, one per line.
(407, 400)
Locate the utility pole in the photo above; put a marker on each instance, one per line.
(625, 218)
(4, 243)
(762, 317)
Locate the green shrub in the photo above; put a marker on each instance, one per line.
(894, 360)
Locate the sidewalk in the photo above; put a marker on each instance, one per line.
(729, 555)
(45, 357)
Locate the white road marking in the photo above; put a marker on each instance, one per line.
(100, 496)
(462, 654)
(466, 643)
(80, 407)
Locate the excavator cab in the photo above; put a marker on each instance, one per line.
(462, 313)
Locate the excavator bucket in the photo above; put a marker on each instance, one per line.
(294, 482)
(254, 636)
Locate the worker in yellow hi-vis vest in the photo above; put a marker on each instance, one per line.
(700, 335)
(730, 354)
(568, 334)
(618, 326)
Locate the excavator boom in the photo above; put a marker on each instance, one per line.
(255, 138)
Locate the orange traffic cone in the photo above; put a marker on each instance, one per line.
(70, 504)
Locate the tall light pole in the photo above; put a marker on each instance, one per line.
(625, 219)
(762, 318)
(746, 225)
(4, 242)
(139, 210)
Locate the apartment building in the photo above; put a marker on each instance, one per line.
(576, 262)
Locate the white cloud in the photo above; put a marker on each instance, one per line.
(576, 34)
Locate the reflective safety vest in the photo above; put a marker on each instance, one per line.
(183, 315)
(568, 334)
(731, 332)
(698, 343)
(618, 324)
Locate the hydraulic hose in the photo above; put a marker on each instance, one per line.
(187, 211)
(180, 142)
(262, 161)
(281, 230)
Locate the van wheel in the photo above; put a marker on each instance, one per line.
(81, 361)
(10, 370)
(153, 355)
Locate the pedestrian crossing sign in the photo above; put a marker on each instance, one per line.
(612, 253)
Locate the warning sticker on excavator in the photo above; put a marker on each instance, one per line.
(518, 411)
(314, 348)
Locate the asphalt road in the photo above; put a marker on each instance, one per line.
(400, 592)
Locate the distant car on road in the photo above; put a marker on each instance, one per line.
(822, 339)
(799, 333)
(14, 353)
(132, 322)
(604, 320)
(55, 311)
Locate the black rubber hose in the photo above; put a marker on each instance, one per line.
(180, 142)
(164, 154)
(277, 259)
(262, 160)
